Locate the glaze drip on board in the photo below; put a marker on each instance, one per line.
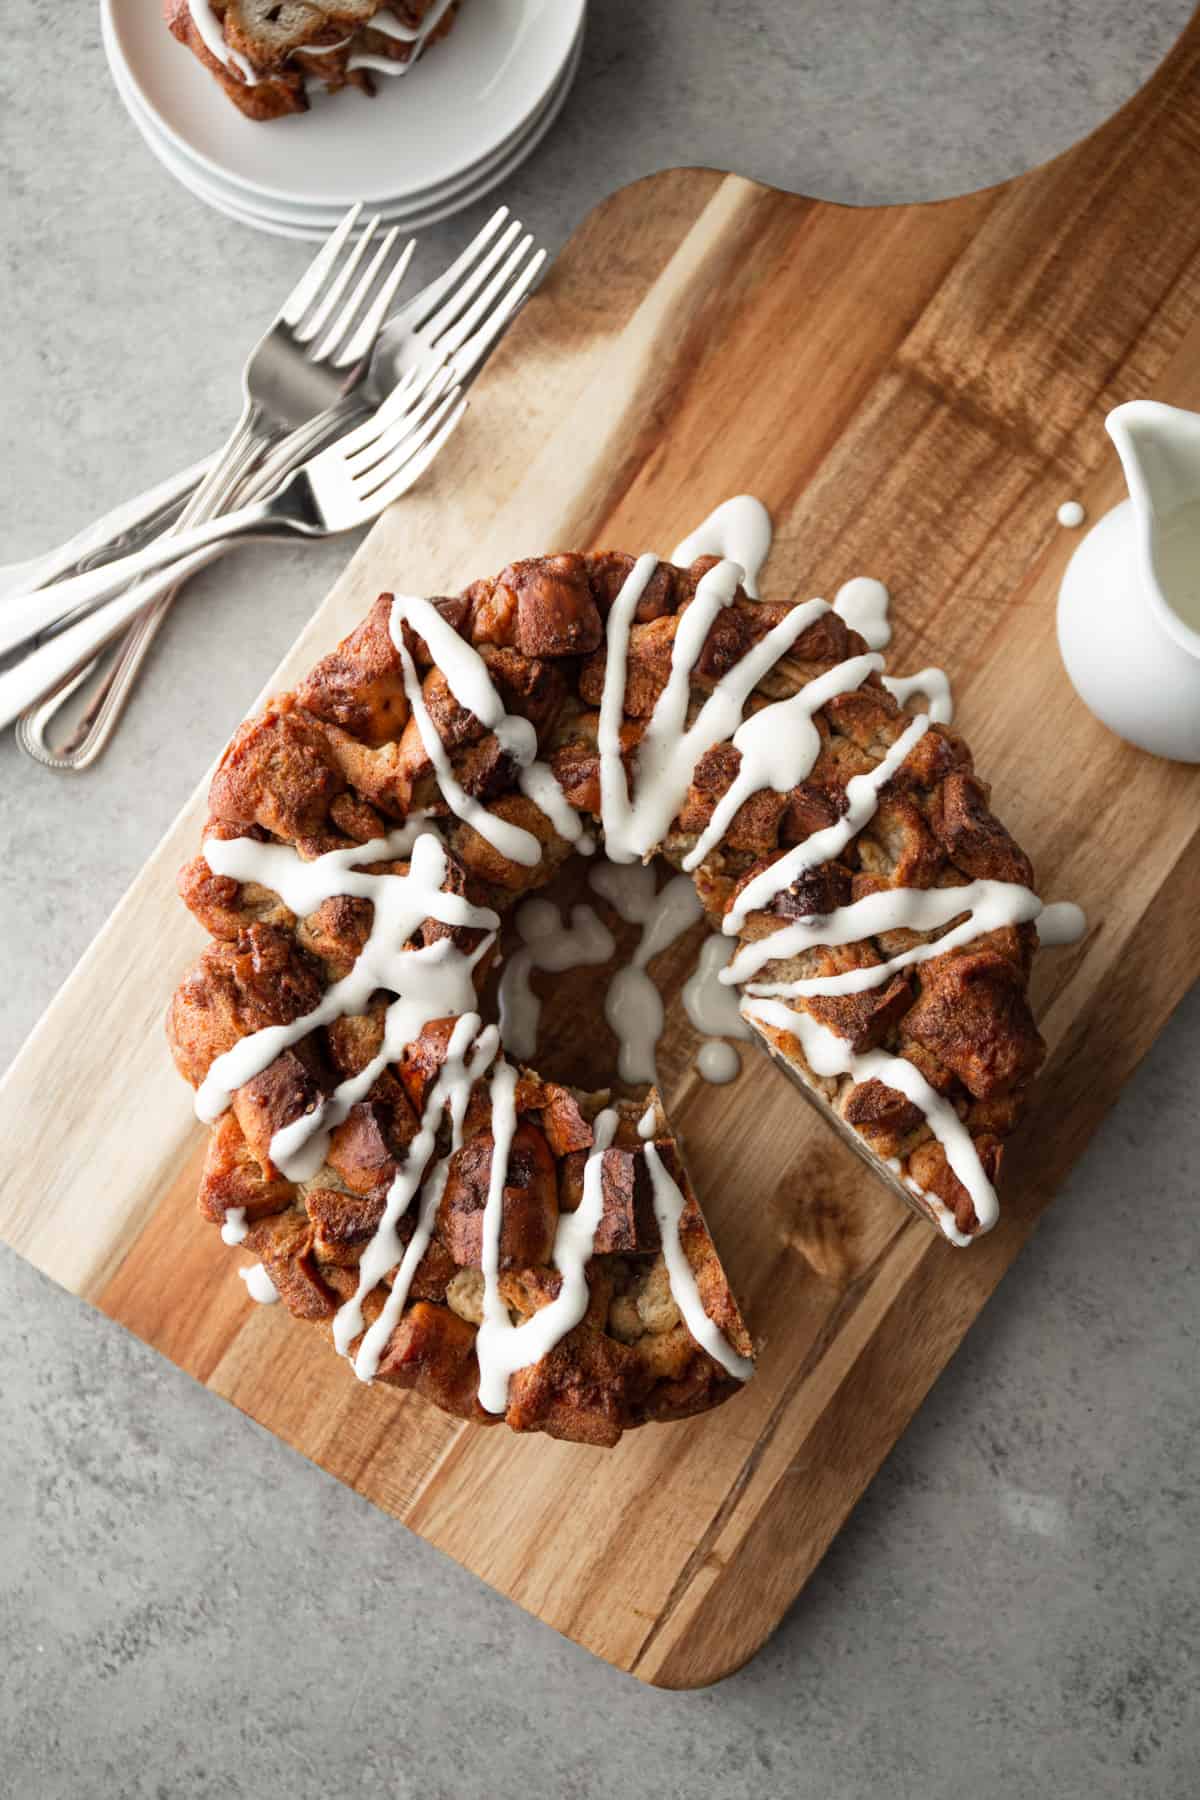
(550, 945)
(633, 1005)
(713, 1010)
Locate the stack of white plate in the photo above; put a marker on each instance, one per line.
(430, 142)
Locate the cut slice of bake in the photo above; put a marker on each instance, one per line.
(266, 52)
(505, 1245)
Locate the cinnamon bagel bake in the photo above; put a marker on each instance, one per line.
(266, 54)
(507, 1246)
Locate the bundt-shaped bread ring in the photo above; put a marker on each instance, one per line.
(440, 763)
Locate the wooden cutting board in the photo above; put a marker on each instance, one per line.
(912, 391)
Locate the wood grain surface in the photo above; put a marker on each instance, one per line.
(912, 391)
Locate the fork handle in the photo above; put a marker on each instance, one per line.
(36, 673)
(107, 702)
(27, 681)
(123, 527)
(25, 616)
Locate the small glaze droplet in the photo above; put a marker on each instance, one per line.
(718, 1062)
(1071, 514)
(1061, 923)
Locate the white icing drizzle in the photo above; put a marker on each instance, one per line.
(1071, 514)
(718, 1062)
(326, 49)
(416, 35)
(668, 1210)
(389, 26)
(469, 1055)
(828, 1055)
(433, 982)
(235, 1228)
(863, 603)
(862, 799)
(378, 65)
(946, 1221)
(739, 529)
(648, 1123)
(633, 1005)
(467, 677)
(988, 906)
(708, 999)
(502, 1347)
(932, 684)
(669, 749)
(554, 947)
(259, 1285)
(212, 35)
(780, 743)
(493, 1383)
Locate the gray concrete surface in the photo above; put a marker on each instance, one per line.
(186, 1608)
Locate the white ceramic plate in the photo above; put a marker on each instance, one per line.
(462, 101)
(312, 225)
(462, 190)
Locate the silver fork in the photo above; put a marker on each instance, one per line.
(133, 523)
(311, 356)
(458, 317)
(345, 486)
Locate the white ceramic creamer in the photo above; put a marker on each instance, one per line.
(1129, 605)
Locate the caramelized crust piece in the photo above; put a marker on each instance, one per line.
(234, 1179)
(973, 1015)
(972, 836)
(360, 685)
(530, 1203)
(264, 978)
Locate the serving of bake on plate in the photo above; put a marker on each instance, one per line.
(509, 1247)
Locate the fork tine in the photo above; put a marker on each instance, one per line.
(413, 470)
(384, 472)
(368, 330)
(331, 297)
(362, 460)
(462, 296)
(432, 295)
(458, 333)
(342, 323)
(392, 445)
(314, 277)
(407, 397)
(470, 354)
(346, 313)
